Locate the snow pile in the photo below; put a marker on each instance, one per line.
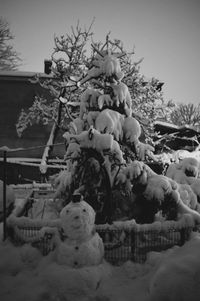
(170, 275)
(19, 279)
(177, 276)
(26, 275)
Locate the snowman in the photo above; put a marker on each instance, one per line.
(78, 244)
(77, 269)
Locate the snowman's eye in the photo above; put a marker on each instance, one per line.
(67, 211)
(84, 210)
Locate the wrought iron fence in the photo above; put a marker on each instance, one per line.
(120, 245)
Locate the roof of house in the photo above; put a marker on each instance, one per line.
(21, 75)
(167, 128)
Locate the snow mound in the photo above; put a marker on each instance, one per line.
(178, 274)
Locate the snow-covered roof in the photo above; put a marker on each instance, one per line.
(165, 124)
(22, 74)
(165, 127)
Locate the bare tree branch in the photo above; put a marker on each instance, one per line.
(9, 58)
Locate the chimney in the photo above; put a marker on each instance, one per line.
(47, 66)
(159, 86)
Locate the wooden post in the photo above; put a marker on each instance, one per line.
(46, 153)
(49, 146)
(182, 236)
(4, 195)
(133, 236)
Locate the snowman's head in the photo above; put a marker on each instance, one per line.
(77, 220)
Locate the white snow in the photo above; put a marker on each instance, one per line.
(75, 269)
(177, 276)
(170, 275)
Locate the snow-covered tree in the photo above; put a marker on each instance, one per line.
(102, 103)
(186, 114)
(72, 57)
(9, 58)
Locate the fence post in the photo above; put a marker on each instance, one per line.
(133, 245)
(4, 195)
(185, 234)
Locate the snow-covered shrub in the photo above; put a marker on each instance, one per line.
(153, 193)
(187, 171)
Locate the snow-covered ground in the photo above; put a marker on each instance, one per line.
(172, 275)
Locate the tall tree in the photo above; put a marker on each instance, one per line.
(9, 58)
(71, 59)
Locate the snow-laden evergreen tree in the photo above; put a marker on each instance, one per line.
(105, 108)
(72, 56)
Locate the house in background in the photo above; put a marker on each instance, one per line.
(17, 93)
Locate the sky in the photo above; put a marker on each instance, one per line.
(166, 33)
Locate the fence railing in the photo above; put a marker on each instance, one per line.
(119, 245)
(122, 241)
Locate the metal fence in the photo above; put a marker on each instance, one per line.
(120, 245)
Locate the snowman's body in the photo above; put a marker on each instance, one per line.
(78, 254)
